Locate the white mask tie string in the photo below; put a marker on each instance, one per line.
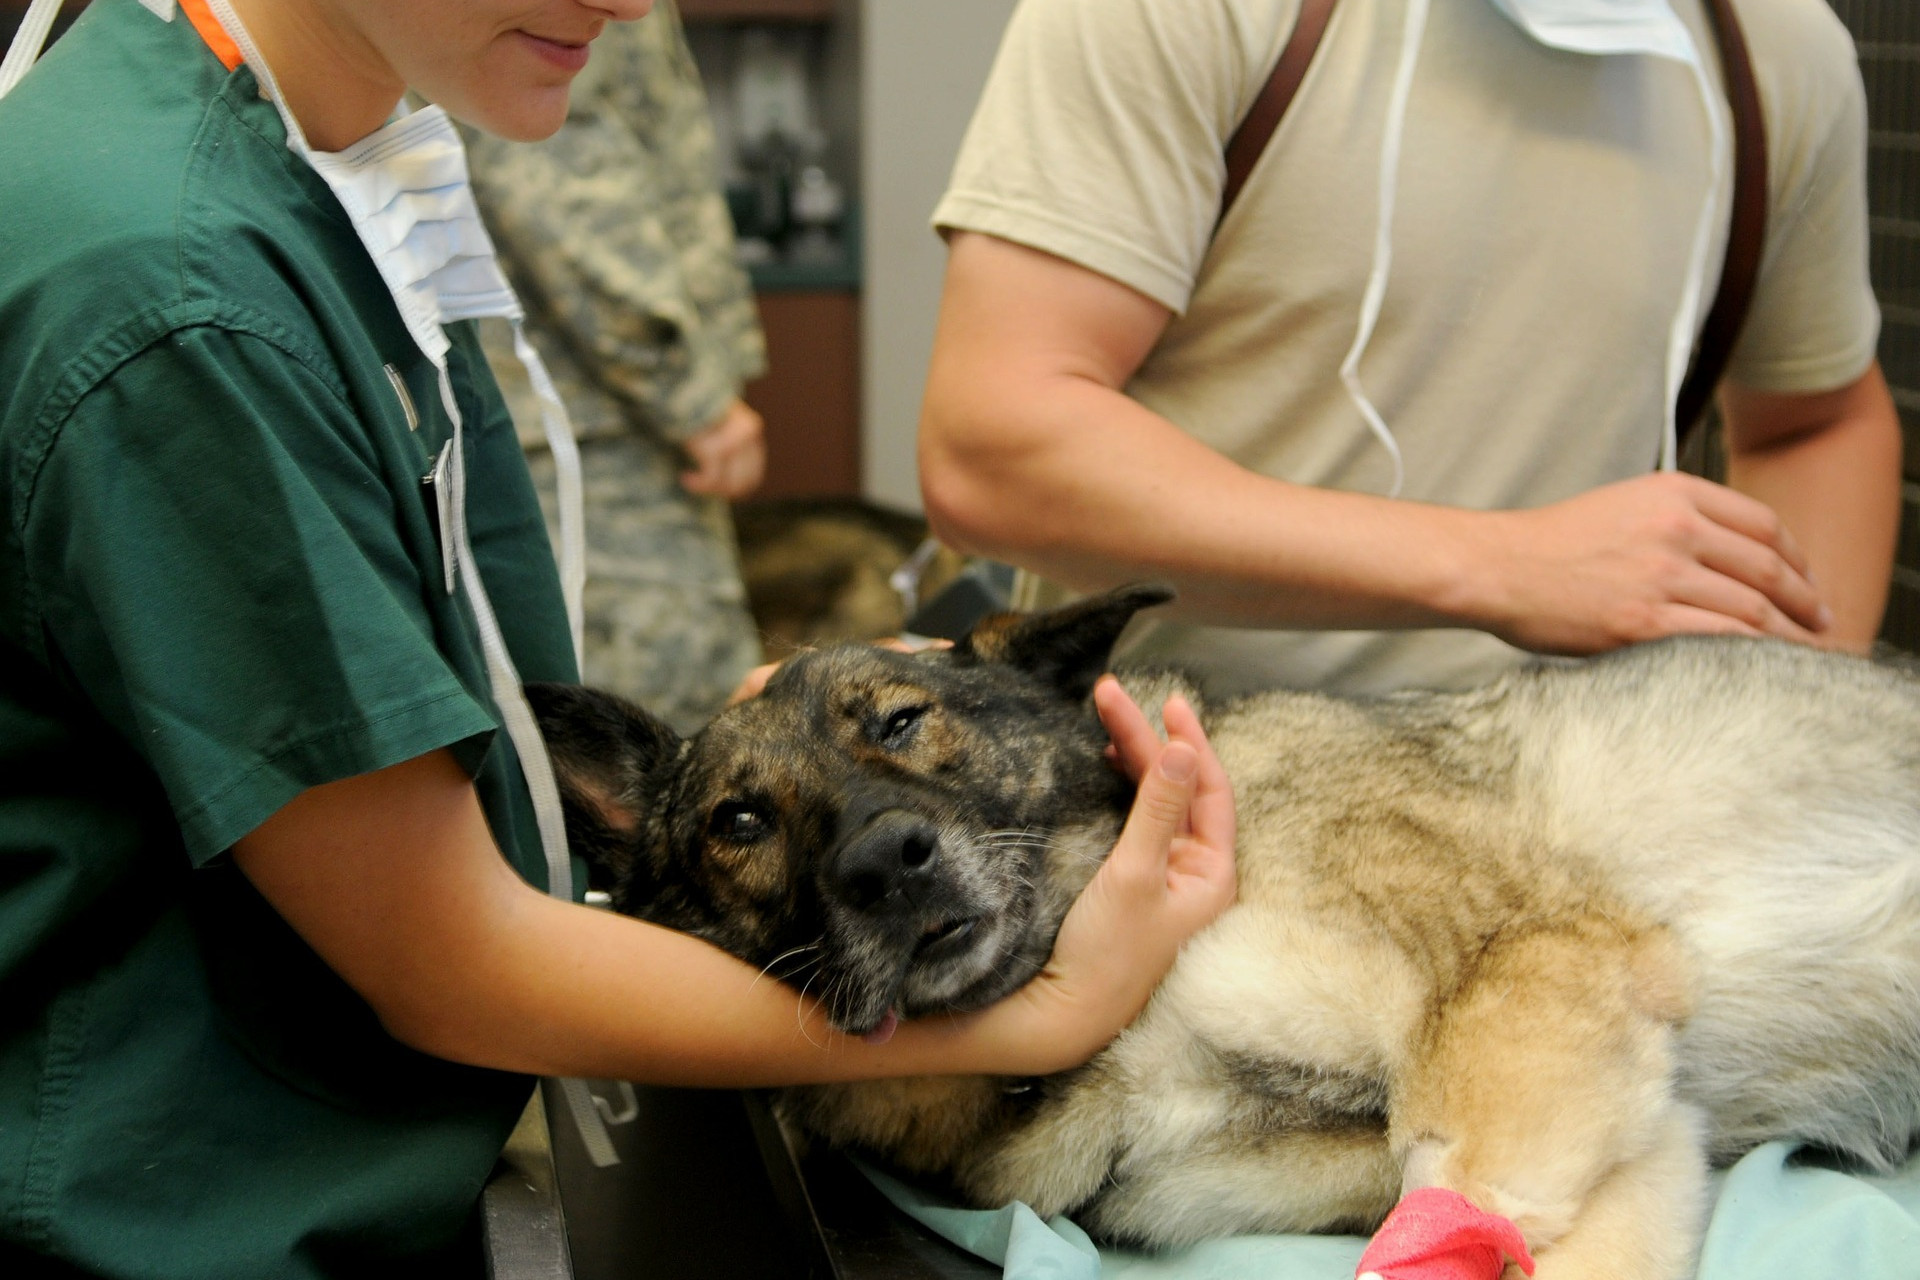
(1651, 28)
(1389, 189)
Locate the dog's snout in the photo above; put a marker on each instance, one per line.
(888, 855)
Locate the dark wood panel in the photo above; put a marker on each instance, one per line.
(810, 395)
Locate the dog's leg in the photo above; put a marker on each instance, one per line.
(1540, 1090)
(1646, 1216)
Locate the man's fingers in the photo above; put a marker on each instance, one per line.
(1750, 518)
(1736, 608)
(1764, 583)
(728, 459)
(919, 644)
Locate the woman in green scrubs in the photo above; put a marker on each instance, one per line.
(275, 962)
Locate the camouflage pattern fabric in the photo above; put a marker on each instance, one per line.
(667, 619)
(616, 236)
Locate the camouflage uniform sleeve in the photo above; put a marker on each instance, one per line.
(617, 238)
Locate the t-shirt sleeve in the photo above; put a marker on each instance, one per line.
(227, 569)
(1814, 322)
(1101, 133)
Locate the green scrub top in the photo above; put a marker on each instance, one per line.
(221, 584)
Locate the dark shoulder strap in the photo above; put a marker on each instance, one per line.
(1250, 139)
(1747, 235)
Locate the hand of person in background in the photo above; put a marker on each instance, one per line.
(756, 679)
(729, 456)
(1644, 558)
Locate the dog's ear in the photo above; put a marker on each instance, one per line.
(1067, 647)
(604, 750)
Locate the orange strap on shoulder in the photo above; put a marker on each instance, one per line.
(213, 33)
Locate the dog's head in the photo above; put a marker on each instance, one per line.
(895, 834)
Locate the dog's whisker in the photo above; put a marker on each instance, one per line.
(1025, 837)
(767, 969)
(800, 1014)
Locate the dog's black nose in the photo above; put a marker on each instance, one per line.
(891, 853)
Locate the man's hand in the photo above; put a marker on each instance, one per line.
(1642, 558)
(729, 456)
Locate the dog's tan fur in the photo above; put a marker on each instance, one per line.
(1556, 944)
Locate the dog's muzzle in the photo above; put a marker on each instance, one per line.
(888, 865)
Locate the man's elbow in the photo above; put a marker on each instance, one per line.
(969, 508)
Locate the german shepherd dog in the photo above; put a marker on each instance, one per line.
(1556, 944)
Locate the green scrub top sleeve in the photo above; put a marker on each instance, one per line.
(241, 574)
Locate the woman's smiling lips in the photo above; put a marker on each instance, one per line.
(566, 55)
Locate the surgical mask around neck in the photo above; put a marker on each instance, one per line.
(1604, 26)
(1600, 28)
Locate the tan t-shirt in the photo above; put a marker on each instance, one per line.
(1541, 238)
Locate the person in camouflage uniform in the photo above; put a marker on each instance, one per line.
(617, 238)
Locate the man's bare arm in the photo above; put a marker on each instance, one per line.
(1031, 452)
(1829, 464)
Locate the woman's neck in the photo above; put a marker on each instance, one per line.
(334, 82)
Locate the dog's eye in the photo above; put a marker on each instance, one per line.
(898, 725)
(739, 822)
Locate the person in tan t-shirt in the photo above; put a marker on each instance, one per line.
(1119, 390)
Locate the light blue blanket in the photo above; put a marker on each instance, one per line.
(1775, 1218)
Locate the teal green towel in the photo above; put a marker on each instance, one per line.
(1775, 1218)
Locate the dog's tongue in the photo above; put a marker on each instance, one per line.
(884, 1032)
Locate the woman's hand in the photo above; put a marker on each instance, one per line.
(1170, 874)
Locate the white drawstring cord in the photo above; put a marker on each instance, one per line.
(523, 730)
(568, 489)
(1375, 297)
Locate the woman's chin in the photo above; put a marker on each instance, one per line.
(526, 115)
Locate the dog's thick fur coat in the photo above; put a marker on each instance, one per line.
(1556, 944)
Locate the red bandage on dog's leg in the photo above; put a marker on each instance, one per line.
(1436, 1234)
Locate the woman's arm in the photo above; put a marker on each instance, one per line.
(394, 879)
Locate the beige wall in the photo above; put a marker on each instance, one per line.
(922, 65)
